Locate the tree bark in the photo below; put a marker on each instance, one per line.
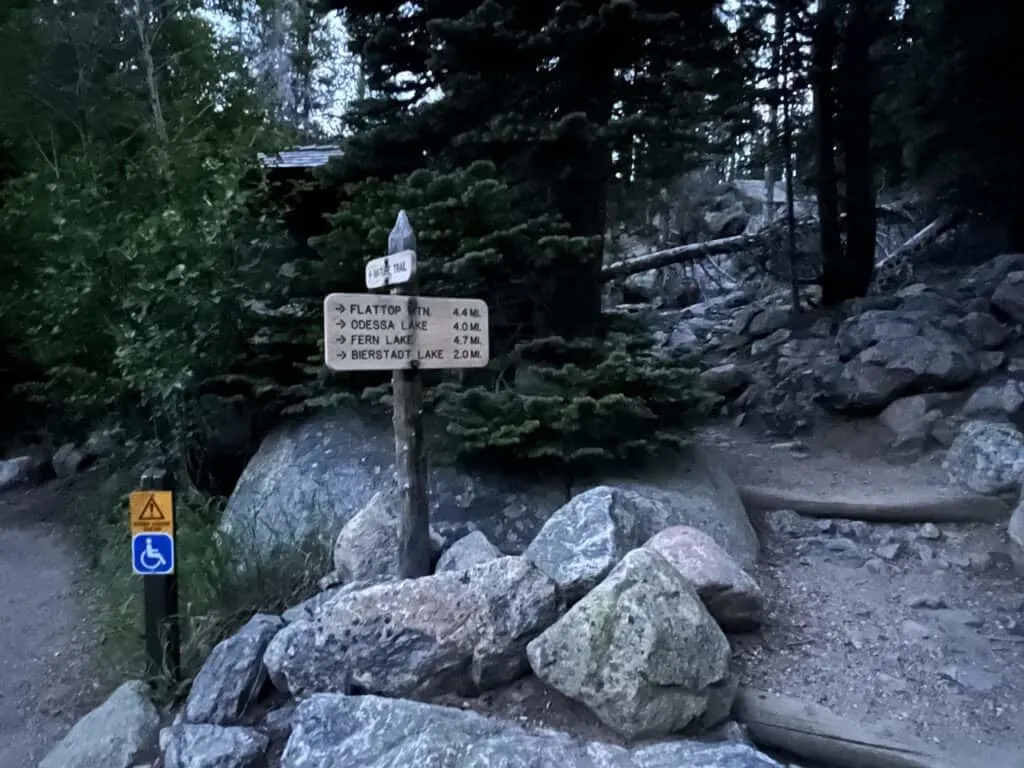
(144, 29)
(854, 134)
(771, 172)
(833, 279)
(787, 146)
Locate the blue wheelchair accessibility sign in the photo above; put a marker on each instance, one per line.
(153, 554)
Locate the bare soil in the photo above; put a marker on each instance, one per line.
(913, 629)
(46, 636)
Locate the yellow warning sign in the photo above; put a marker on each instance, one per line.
(151, 512)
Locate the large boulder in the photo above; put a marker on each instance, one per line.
(117, 734)
(1008, 298)
(640, 650)
(296, 663)
(459, 631)
(582, 541)
(987, 457)
(309, 478)
(983, 281)
(984, 331)
(730, 594)
(233, 674)
(910, 419)
(15, 472)
(889, 353)
(371, 732)
(1003, 399)
(25, 470)
(1015, 530)
(367, 548)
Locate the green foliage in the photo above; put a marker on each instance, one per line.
(132, 285)
(579, 405)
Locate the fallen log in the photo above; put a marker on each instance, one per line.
(811, 732)
(926, 236)
(737, 243)
(681, 253)
(940, 506)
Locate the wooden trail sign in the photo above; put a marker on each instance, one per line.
(405, 333)
(369, 332)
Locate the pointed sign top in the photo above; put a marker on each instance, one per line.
(401, 237)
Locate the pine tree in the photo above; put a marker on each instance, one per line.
(506, 176)
(963, 113)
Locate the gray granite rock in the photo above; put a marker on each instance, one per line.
(472, 549)
(987, 457)
(640, 651)
(332, 731)
(233, 674)
(730, 594)
(309, 478)
(459, 631)
(585, 538)
(1008, 298)
(1003, 399)
(114, 735)
(367, 548)
(887, 353)
(213, 746)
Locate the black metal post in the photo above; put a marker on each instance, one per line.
(160, 599)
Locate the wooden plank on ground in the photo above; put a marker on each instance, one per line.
(811, 732)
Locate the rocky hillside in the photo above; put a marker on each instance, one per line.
(924, 360)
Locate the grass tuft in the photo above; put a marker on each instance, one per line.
(217, 593)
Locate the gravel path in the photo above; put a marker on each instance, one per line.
(45, 636)
(917, 628)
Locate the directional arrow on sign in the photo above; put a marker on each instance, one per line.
(341, 324)
(341, 339)
(340, 309)
(341, 354)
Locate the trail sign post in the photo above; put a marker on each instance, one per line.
(368, 332)
(406, 334)
(151, 519)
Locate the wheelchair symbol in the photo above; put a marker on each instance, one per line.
(153, 554)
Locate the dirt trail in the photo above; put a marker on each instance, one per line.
(915, 627)
(45, 634)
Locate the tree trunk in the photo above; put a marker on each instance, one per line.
(854, 134)
(573, 301)
(833, 278)
(144, 29)
(787, 148)
(771, 171)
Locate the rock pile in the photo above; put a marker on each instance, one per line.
(620, 603)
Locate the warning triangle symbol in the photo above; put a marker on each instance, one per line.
(151, 513)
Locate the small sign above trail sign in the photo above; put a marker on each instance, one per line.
(368, 332)
(394, 269)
